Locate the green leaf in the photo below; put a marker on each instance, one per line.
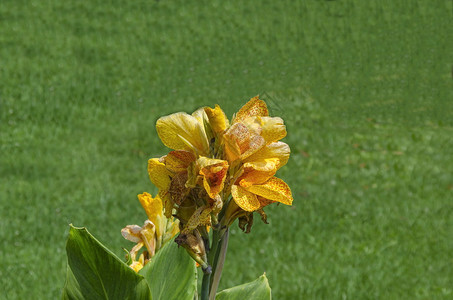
(171, 273)
(94, 272)
(255, 290)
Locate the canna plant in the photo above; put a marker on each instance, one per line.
(216, 172)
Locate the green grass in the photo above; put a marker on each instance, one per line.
(364, 87)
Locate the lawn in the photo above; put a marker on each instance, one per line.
(365, 89)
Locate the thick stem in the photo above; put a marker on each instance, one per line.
(205, 286)
(211, 252)
(220, 260)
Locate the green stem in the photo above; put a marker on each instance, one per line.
(206, 283)
(213, 255)
(220, 260)
(205, 286)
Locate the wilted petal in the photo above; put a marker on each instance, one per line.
(158, 174)
(178, 190)
(255, 107)
(214, 172)
(132, 233)
(217, 118)
(167, 203)
(246, 222)
(194, 245)
(181, 131)
(185, 212)
(178, 161)
(201, 216)
(264, 202)
(274, 189)
(244, 199)
(148, 235)
(135, 249)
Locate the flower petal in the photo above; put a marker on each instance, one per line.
(181, 131)
(240, 142)
(178, 161)
(244, 199)
(259, 172)
(278, 150)
(153, 208)
(273, 129)
(217, 118)
(200, 115)
(256, 143)
(214, 172)
(178, 190)
(132, 233)
(274, 189)
(255, 107)
(167, 203)
(136, 266)
(148, 235)
(158, 174)
(264, 202)
(201, 216)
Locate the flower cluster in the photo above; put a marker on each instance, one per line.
(156, 231)
(217, 172)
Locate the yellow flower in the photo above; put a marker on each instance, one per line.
(251, 130)
(155, 232)
(252, 141)
(213, 159)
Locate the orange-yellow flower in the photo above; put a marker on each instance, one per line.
(252, 141)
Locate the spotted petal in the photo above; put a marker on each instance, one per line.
(277, 150)
(255, 107)
(274, 189)
(241, 142)
(214, 172)
(244, 199)
(201, 216)
(178, 161)
(259, 172)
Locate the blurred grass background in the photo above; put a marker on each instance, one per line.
(366, 91)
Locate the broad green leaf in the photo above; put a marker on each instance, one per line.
(171, 273)
(255, 290)
(94, 272)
